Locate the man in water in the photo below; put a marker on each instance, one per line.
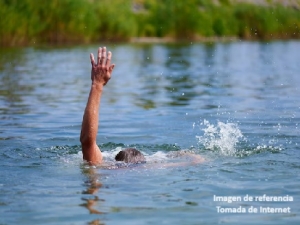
(100, 75)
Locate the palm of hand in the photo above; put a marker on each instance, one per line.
(101, 72)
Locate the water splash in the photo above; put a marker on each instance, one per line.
(158, 156)
(222, 137)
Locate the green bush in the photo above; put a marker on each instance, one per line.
(81, 21)
(117, 21)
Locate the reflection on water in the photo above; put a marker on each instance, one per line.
(13, 65)
(245, 92)
(180, 86)
(167, 75)
(92, 184)
(164, 76)
(41, 87)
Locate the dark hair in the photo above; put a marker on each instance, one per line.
(130, 155)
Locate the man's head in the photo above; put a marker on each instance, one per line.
(130, 155)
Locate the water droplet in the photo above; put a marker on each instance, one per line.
(223, 136)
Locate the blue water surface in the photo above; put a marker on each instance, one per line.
(236, 104)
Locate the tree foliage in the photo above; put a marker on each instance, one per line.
(81, 21)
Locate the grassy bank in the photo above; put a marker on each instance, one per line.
(28, 22)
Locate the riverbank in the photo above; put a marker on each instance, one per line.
(81, 21)
(174, 40)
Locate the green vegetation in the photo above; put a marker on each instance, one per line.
(82, 21)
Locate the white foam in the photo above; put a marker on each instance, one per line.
(110, 155)
(158, 156)
(72, 158)
(222, 137)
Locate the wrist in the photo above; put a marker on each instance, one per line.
(98, 86)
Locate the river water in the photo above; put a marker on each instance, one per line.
(235, 104)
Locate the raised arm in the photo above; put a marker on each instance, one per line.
(100, 75)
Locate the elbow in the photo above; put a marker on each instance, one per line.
(86, 139)
(81, 137)
(82, 140)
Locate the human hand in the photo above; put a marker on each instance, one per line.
(101, 72)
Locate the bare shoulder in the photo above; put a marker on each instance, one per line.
(195, 158)
(174, 159)
(178, 159)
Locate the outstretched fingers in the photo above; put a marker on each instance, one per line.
(108, 59)
(111, 68)
(103, 61)
(92, 59)
(99, 56)
(102, 68)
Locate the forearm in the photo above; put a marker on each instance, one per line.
(90, 121)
